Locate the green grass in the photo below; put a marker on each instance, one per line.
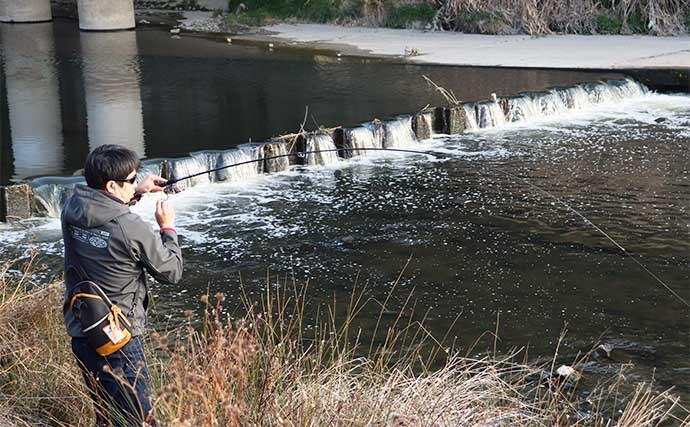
(258, 12)
(608, 24)
(407, 14)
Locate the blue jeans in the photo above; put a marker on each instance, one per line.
(119, 384)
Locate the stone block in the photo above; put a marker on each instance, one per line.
(279, 164)
(18, 200)
(456, 120)
(421, 126)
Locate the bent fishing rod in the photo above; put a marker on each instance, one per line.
(302, 154)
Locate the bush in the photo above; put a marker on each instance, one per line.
(609, 24)
(482, 22)
(405, 15)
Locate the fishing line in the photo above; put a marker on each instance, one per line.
(302, 154)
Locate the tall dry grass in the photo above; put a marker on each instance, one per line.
(537, 17)
(265, 370)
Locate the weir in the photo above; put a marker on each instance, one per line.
(405, 131)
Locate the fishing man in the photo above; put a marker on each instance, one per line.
(115, 248)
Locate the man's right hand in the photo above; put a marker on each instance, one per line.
(165, 214)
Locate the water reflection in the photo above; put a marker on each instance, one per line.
(112, 89)
(33, 99)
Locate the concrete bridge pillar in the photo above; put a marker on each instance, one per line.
(105, 15)
(25, 11)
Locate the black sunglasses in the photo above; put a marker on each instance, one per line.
(131, 180)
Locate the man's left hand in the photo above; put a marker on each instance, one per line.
(151, 184)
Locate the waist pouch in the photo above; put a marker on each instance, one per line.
(102, 322)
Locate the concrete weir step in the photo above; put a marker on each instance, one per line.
(44, 196)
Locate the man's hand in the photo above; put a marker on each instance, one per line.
(151, 184)
(165, 214)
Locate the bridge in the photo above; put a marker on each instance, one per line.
(94, 15)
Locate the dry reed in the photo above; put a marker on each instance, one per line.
(265, 370)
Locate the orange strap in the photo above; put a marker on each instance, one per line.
(81, 295)
(117, 312)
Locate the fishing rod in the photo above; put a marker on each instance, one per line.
(303, 154)
(300, 154)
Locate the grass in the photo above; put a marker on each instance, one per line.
(408, 15)
(535, 17)
(265, 370)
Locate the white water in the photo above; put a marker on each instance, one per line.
(360, 137)
(321, 142)
(622, 100)
(398, 133)
(490, 115)
(241, 172)
(471, 114)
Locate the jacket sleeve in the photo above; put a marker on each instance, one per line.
(160, 253)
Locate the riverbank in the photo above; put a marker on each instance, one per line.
(663, 63)
(264, 370)
(447, 48)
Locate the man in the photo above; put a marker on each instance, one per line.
(115, 248)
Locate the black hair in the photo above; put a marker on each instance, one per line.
(109, 162)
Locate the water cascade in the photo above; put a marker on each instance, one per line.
(242, 172)
(360, 137)
(490, 115)
(398, 133)
(321, 141)
(197, 162)
(531, 106)
(471, 115)
(50, 192)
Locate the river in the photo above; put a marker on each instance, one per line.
(479, 228)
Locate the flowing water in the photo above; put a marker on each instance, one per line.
(476, 238)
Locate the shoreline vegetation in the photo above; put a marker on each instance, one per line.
(266, 370)
(502, 17)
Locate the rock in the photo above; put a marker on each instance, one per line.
(174, 31)
(17, 200)
(348, 240)
(456, 120)
(420, 126)
(306, 247)
(604, 350)
(567, 372)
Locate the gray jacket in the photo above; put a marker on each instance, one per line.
(115, 247)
